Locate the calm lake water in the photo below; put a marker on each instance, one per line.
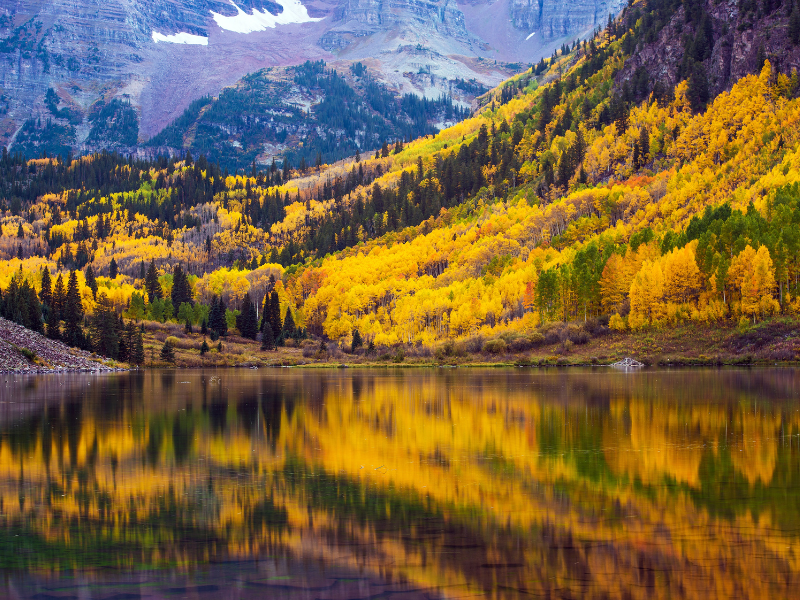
(401, 484)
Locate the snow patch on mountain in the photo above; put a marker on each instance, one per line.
(242, 22)
(181, 38)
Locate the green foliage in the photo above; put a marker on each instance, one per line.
(167, 352)
(114, 125)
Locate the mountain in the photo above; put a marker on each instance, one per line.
(306, 114)
(587, 195)
(121, 70)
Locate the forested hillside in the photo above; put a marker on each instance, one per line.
(576, 195)
(306, 114)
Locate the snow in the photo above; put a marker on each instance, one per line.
(181, 38)
(530, 36)
(293, 12)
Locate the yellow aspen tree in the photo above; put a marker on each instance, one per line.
(682, 277)
(758, 284)
(647, 295)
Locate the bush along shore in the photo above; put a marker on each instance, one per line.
(555, 344)
(589, 343)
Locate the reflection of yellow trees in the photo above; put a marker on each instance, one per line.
(531, 470)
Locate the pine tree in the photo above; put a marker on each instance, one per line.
(91, 282)
(151, 283)
(181, 290)
(216, 317)
(59, 298)
(53, 325)
(136, 352)
(20, 232)
(246, 322)
(73, 313)
(142, 271)
(103, 328)
(112, 269)
(794, 24)
(267, 339)
(167, 352)
(204, 327)
(289, 329)
(275, 314)
(33, 309)
(357, 341)
(46, 292)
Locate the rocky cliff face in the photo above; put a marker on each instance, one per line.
(735, 39)
(553, 19)
(73, 72)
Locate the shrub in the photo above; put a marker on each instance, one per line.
(400, 356)
(520, 344)
(474, 344)
(617, 323)
(577, 336)
(496, 346)
(551, 333)
(536, 339)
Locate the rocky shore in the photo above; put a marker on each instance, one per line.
(24, 351)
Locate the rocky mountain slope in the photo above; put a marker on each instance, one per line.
(121, 70)
(25, 351)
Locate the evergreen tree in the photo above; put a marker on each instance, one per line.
(91, 282)
(357, 341)
(289, 329)
(204, 348)
(794, 24)
(167, 352)
(216, 317)
(46, 292)
(267, 339)
(136, 352)
(30, 308)
(151, 283)
(73, 313)
(103, 328)
(20, 231)
(53, 325)
(181, 290)
(59, 298)
(275, 314)
(142, 271)
(246, 322)
(112, 269)
(204, 327)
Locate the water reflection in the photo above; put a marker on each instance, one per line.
(401, 484)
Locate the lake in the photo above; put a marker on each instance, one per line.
(401, 484)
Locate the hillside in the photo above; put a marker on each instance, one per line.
(25, 351)
(86, 77)
(302, 114)
(572, 204)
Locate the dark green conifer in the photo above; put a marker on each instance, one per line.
(167, 352)
(73, 313)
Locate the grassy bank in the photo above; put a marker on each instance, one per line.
(776, 341)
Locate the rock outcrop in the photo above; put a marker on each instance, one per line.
(737, 40)
(43, 355)
(553, 19)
